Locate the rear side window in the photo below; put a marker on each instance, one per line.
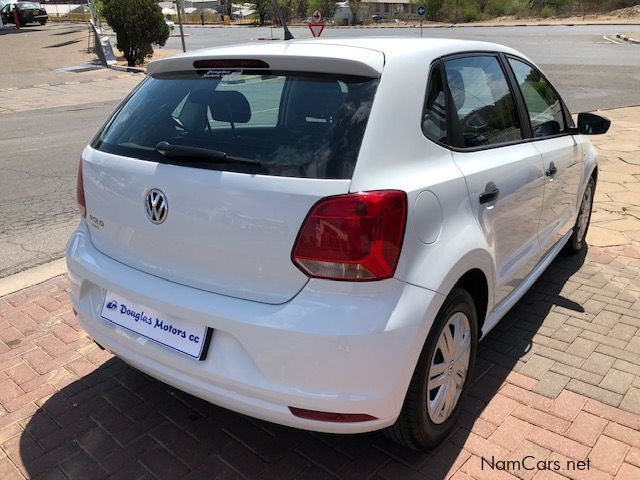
(543, 104)
(483, 102)
(434, 118)
(294, 124)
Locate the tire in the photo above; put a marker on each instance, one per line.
(43, 22)
(422, 424)
(577, 241)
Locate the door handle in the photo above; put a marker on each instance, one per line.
(490, 193)
(551, 171)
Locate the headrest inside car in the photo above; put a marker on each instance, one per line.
(230, 106)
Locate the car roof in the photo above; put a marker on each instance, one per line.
(357, 56)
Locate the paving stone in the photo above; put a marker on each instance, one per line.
(561, 357)
(607, 318)
(586, 428)
(634, 345)
(566, 333)
(608, 454)
(554, 320)
(477, 468)
(591, 391)
(541, 419)
(615, 415)
(598, 363)
(536, 366)
(550, 342)
(628, 472)
(510, 433)
(617, 381)
(621, 354)
(631, 400)
(632, 368)
(567, 405)
(576, 373)
(526, 397)
(633, 457)
(499, 408)
(585, 325)
(558, 443)
(581, 347)
(625, 433)
(604, 339)
(613, 301)
(551, 384)
(578, 469)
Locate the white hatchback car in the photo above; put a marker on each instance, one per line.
(317, 233)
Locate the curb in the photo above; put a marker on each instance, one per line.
(31, 277)
(627, 39)
(121, 68)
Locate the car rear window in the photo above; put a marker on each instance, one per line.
(294, 124)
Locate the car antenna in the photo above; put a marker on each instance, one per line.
(287, 33)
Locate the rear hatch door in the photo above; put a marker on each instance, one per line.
(216, 219)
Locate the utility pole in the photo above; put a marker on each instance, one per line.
(178, 8)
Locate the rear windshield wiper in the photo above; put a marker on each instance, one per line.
(197, 153)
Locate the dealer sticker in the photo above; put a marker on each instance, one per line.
(176, 333)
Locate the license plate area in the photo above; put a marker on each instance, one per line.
(178, 334)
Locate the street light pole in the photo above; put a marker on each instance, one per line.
(184, 48)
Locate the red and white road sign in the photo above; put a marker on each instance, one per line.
(316, 28)
(317, 16)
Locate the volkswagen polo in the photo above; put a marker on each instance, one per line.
(318, 233)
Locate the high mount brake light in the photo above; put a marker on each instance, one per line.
(356, 237)
(80, 191)
(231, 63)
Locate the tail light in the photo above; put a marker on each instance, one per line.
(80, 192)
(356, 237)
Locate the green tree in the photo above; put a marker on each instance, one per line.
(261, 7)
(326, 7)
(138, 24)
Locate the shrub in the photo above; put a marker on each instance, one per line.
(138, 24)
(547, 11)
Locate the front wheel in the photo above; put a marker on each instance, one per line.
(441, 377)
(578, 238)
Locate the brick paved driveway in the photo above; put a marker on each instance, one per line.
(547, 384)
(558, 380)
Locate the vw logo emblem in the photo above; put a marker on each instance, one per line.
(156, 206)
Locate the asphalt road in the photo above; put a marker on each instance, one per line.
(39, 149)
(39, 153)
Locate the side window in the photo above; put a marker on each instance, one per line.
(486, 111)
(545, 109)
(434, 115)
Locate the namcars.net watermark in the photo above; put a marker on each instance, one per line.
(532, 463)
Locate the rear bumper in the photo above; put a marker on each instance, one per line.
(335, 347)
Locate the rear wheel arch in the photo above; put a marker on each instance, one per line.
(475, 282)
(474, 272)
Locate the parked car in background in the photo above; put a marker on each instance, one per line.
(28, 12)
(318, 233)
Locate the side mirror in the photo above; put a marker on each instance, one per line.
(592, 124)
